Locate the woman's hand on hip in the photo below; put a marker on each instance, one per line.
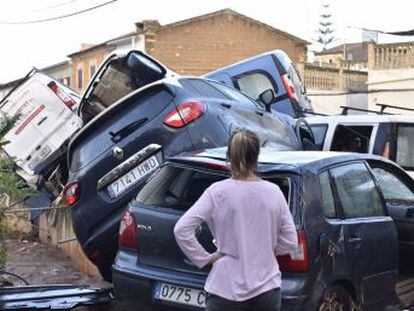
(215, 256)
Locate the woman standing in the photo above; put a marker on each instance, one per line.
(251, 223)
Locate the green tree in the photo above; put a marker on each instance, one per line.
(10, 184)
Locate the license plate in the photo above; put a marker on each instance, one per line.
(129, 179)
(181, 295)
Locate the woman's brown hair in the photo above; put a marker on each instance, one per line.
(243, 152)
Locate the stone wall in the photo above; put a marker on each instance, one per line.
(55, 227)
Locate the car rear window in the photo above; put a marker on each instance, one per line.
(179, 188)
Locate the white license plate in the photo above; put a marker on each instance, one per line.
(129, 179)
(180, 294)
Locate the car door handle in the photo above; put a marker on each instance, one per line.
(41, 121)
(228, 106)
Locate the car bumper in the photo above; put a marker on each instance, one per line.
(134, 287)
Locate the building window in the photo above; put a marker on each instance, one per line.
(92, 70)
(65, 80)
(80, 78)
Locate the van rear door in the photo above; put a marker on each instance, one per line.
(46, 119)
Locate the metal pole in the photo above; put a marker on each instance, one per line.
(67, 240)
(15, 210)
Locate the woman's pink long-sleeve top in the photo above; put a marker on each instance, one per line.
(251, 223)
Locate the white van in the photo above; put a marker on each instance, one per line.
(391, 136)
(48, 118)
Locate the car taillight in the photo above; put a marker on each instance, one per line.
(67, 100)
(290, 88)
(95, 256)
(184, 114)
(298, 261)
(70, 193)
(127, 231)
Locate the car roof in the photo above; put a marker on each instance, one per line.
(361, 118)
(271, 159)
(277, 53)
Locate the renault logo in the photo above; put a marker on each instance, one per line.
(118, 153)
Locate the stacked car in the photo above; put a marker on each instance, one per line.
(131, 163)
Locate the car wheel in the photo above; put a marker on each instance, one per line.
(336, 298)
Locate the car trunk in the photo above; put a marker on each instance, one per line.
(159, 206)
(116, 124)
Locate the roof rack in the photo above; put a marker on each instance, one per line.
(385, 106)
(345, 110)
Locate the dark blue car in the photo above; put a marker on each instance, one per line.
(273, 71)
(138, 113)
(348, 245)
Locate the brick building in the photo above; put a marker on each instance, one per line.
(198, 45)
(194, 46)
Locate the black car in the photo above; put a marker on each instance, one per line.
(348, 245)
(118, 149)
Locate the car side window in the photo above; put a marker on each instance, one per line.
(405, 149)
(392, 187)
(235, 95)
(351, 138)
(319, 132)
(328, 203)
(357, 192)
(254, 84)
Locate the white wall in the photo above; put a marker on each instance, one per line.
(329, 102)
(393, 87)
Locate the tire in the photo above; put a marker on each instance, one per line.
(336, 298)
(106, 272)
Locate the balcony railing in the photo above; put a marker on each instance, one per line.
(391, 56)
(334, 79)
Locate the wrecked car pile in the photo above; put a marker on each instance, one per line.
(136, 114)
(162, 115)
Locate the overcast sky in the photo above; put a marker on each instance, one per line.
(42, 44)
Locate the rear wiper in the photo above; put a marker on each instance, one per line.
(128, 129)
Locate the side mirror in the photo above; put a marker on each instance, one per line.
(267, 98)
